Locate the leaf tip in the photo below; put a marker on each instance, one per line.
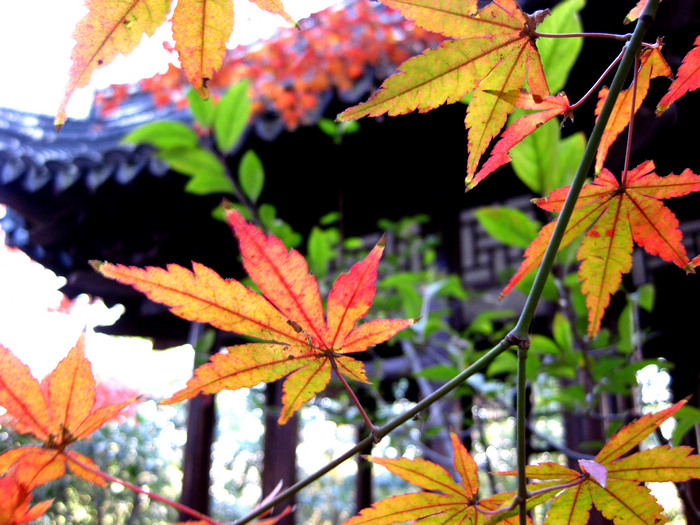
(96, 265)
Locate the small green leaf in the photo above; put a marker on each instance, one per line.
(268, 217)
(570, 153)
(563, 334)
(328, 127)
(483, 322)
(625, 329)
(559, 54)
(202, 109)
(536, 156)
(231, 116)
(353, 243)
(322, 249)
(539, 344)
(329, 218)
(505, 363)
(441, 373)
(164, 135)
(508, 225)
(550, 292)
(267, 214)
(251, 175)
(687, 417)
(207, 174)
(645, 297)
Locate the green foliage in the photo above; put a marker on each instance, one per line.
(508, 225)
(231, 116)
(559, 56)
(251, 175)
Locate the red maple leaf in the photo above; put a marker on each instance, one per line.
(296, 339)
(614, 216)
(687, 79)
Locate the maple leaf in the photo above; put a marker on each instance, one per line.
(612, 482)
(687, 79)
(109, 28)
(613, 217)
(493, 50)
(15, 500)
(652, 65)
(446, 500)
(58, 412)
(548, 108)
(201, 29)
(288, 317)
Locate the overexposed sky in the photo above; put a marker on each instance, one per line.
(36, 50)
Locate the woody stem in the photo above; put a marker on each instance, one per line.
(630, 129)
(622, 38)
(135, 488)
(372, 428)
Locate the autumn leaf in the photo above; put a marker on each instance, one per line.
(493, 50)
(108, 29)
(652, 65)
(445, 501)
(276, 8)
(613, 216)
(296, 340)
(548, 108)
(15, 501)
(201, 29)
(58, 412)
(612, 482)
(687, 79)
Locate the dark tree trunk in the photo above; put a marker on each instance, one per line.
(196, 464)
(197, 460)
(363, 480)
(280, 450)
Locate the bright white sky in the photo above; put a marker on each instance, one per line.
(35, 36)
(35, 63)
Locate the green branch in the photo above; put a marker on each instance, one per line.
(385, 429)
(520, 334)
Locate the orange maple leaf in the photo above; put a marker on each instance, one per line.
(548, 108)
(201, 29)
(58, 412)
(493, 50)
(287, 317)
(652, 65)
(613, 217)
(446, 500)
(15, 500)
(687, 79)
(613, 484)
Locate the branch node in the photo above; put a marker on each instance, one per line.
(523, 343)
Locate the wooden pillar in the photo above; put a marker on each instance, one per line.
(196, 465)
(197, 457)
(280, 450)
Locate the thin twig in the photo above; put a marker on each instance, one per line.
(371, 426)
(621, 38)
(385, 429)
(151, 495)
(630, 128)
(599, 81)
